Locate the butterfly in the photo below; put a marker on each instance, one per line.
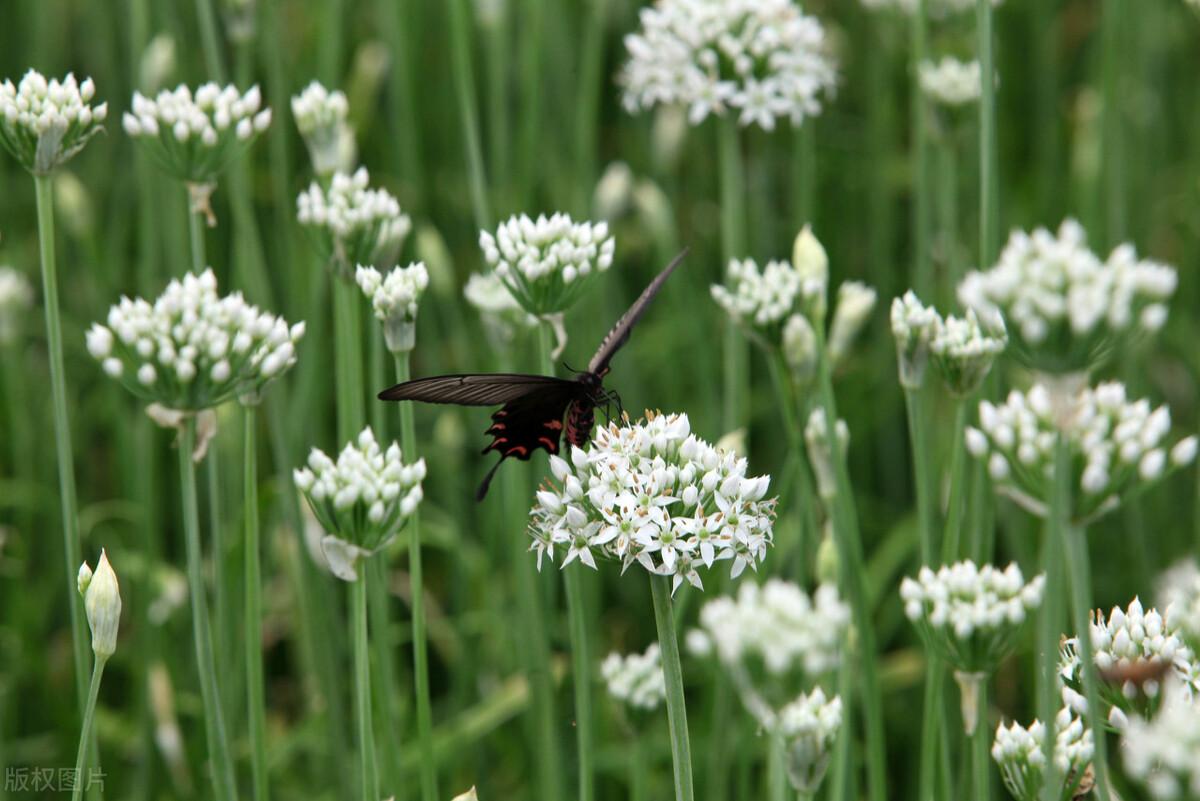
(536, 409)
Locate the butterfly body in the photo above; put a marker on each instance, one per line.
(536, 410)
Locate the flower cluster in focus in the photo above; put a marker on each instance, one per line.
(1065, 308)
(950, 82)
(394, 299)
(44, 123)
(193, 136)
(321, 118)
(547, 263)
(636, 679)
(652, 493)
(192, 349)
(763, 59)
(352, 223)
(1115, 446)
(361, 500)
(1017, 751)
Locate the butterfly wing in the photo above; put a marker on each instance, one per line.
(619, 334)
(475, 389)
(525, 424)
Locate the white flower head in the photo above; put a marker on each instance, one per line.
(1116, 446)
(195, 135)
(809, 727)
(913, 328)
(1163, 753)
(45, 123)
(102, 602)
(759, 300)
(193, 349)
(970, 615)
(761, 60)
(1018, 752)
(963, 352)
(16, 296)
(635, 680)
(950, 82)
(651, 493)
(321, 116)
(352, 223)
(1065, 308)
(361, 500)
(547, 263)
(394, 298)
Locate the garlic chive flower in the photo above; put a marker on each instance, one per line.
(970, 615)
(547, 263)
(1179, 594)
(192, 349)
(809, 727)
(394, 299)
(820, 454)
(963, 352)
(1117, 446)
(636, 680)
(102, 602)
(950, 82)
(1163, 753)
(653, 494)
(501, 313)
(760, 300)
(1065, 308)
(361, 500)
(195, 135)
(352, 223)
(855, 302)
(1017, 751)
(811, 262)
(761, 60)
(16, 295)
(913, 327)
(321, 117)
(45, 123)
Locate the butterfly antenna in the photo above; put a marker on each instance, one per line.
(487, 481)
(569, 368)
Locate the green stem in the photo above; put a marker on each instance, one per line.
(214, 721)
(209, 41)
(362, 688)
(408, 445)
(85, 733)
(988, 188)
(733, 227)
(797, 460)
(776, 773)
(255, 692)
(681, 750)
(952, 536)
(532, 14)
(923, 473)
(1049, 631)
(948, 213)
(464, 88)
(195, 234)
(582, 667)
(591, 61)
(1116, 59)
(638, 774)
(348, 359)
(922, 218)
(931, 720)
(72, 554)
(980, 747)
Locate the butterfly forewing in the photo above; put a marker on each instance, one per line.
(619, 334)
(475, 389)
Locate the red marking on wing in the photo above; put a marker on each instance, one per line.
(554, 425)
(519, 450)
(550, 444)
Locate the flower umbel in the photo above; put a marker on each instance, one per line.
(102, 601)
(361, 500)
(950, 82)
(963, 352)
(635, 679)
(352, 223)
(1017, 751)
(45, 123)
(321, 117)
(192, 349)
(394, 299)
(653, 494)
(809, 727)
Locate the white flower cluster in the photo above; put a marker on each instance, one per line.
(1115, 445)
(934, 8)
(1179, 594)
(970, 615)
(362, 500)
(547, 263)
(762, 299)
(321, 117)
(16, 295)
(1064, 306)
(950, 82)
(1163, 753)
(654, 494)
(394, 299)
(637, 679)
(192, 349)
(353, 223)
(44, 123)
(1017, 750)
(809, 727)
(961, 350)
(777, 626)
(195, 135)
(501, 313)
(764, 59)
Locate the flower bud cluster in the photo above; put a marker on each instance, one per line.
(961, 350)
(970, 615)
(763, 59)
(1163, 753)
(652, 493)
(44, 123)
(353, 223)
(1064, 306)
(809, 727)
(950, 82)
(321, 117)
(362, 500)
(192, 349)
(547, 263)
(1115, 445)
(195, 135)
(102, 602)
(1017, 750)
(394, 299)
(913, 327)
(636, 679)
(16, 295)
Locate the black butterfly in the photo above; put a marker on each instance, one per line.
(534, 407)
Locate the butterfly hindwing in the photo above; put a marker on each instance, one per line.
(619, 334)
(532, 421)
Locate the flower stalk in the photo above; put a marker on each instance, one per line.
(255, 692)
(368, 776)
(681, 750)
